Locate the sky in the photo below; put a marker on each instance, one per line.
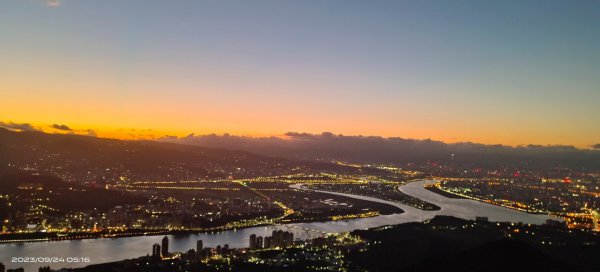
(494, 72)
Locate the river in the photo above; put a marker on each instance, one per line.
(108, 250)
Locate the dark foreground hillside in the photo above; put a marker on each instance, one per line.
(450, 244)
(442, 244)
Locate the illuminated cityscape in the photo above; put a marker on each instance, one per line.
(39, 206)
(267, 136)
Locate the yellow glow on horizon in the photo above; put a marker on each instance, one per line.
(144, 133)
(144, 75)
(151, 115)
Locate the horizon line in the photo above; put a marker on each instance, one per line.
(66, 130)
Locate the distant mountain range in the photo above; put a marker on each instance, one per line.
(370, 149)
(91, 159)
(77, 157)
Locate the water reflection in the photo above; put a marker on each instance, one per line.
(108, 250)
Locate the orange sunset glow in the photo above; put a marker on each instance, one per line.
(307, 135)
(177, 77)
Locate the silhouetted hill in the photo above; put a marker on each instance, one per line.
(502, 255)
(369, 149)
(85, 158)
(451, 244)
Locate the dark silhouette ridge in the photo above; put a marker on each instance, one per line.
(329, 146)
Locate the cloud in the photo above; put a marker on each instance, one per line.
(18, 126)
(61, 127)
(91, 132)
(596, 146)
(329, 146)
(53, 3)
(167, 138)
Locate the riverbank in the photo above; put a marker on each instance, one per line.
(439, 191)
(110, 250)
(19, 238)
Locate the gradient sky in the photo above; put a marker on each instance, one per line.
(509, 72)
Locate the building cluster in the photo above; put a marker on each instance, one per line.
(278, 239)
(576, 201)
(321, 253)
(161, 251)
(32, 211)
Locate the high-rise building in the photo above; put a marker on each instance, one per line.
(259, 242)
(267, 242)
(2, 267)
(288, 239)
(165, 247)
(156, 250)
(225, 249)
(274, 241)
(596, 220)
(252, 244)
(277, 240)
(199, 246)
